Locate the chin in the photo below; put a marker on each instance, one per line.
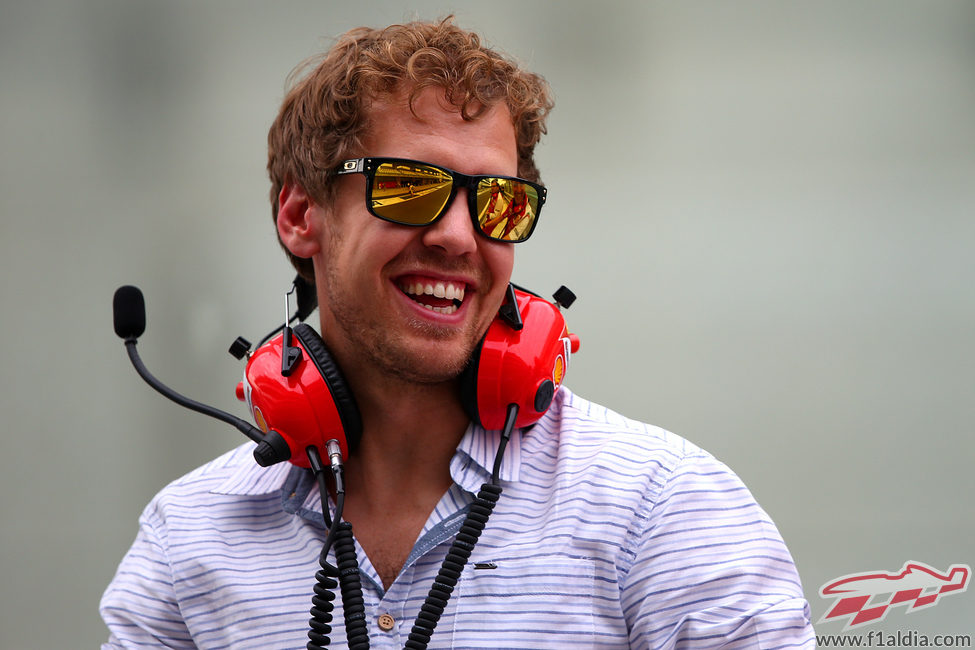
(427, 373)
(427, 362)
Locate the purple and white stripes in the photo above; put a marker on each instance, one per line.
(610, 533)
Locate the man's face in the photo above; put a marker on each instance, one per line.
(375, 278)
(519, 192)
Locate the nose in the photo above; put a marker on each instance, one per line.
(454, 231)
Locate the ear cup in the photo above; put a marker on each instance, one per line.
(344, 401)
(309, 406)
(523, 367)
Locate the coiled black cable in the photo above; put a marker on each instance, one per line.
(322, 606)
(462, 547)
(453, 565)
(353, 603)
(339, 535)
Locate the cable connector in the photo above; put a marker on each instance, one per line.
(334, 450)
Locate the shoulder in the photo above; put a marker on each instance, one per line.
(658, 477)
(573, 414)
(232, 480)
(212, 474)
(581, 432)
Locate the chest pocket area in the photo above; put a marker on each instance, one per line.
(539, 602)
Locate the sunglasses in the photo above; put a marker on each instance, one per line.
(414, 193)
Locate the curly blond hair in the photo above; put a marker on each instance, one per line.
(324, 116)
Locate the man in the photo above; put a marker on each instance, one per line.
(609, 533)
(493, 209)
(513, 222)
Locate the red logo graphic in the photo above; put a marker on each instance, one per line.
(916, 585)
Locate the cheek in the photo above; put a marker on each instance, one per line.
(362, 255)
(500, 259)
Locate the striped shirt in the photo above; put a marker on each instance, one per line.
(610, 533)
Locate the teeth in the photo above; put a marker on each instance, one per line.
(443, 310)
(447, 290)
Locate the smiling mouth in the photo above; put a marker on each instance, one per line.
(441, 297)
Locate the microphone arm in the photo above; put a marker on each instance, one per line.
(243, 426)
(129, 310)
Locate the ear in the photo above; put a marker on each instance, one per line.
(299, 221)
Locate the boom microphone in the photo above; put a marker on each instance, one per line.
(129, 309)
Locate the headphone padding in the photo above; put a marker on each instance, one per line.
(468, 384)
(337, 386)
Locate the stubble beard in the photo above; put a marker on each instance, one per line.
(392, 353)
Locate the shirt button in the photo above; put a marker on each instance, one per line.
(386, 622)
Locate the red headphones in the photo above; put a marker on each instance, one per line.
(521, 360)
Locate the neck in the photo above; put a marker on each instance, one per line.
(413, 424)
(409, 433)
(401, 469)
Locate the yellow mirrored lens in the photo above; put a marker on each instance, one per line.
(506, 208)
(409, 193)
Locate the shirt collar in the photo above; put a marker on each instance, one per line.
(473, 461)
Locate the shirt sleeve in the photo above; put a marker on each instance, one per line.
(139, 607)
(705, 567)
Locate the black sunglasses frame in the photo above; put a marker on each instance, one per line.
(368, 167)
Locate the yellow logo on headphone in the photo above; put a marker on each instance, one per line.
(559, 371)
(259, 419)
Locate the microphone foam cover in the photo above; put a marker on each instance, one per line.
(129, 308)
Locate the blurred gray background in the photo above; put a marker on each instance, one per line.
(765, 208)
